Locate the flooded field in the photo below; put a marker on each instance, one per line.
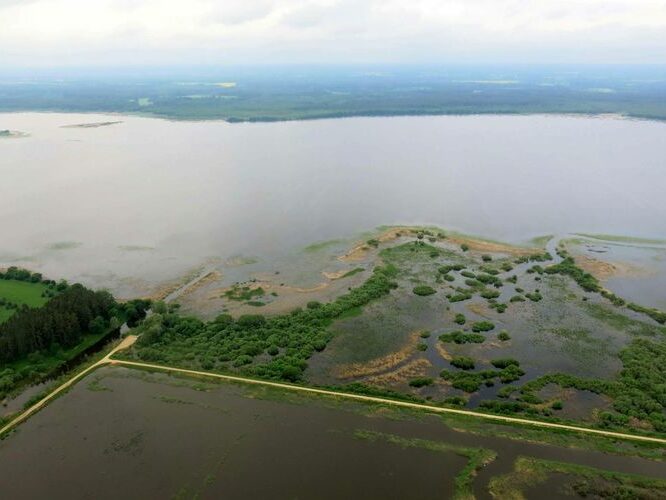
(152, 201)
(133, 434)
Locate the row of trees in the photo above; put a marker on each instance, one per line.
(18, 274)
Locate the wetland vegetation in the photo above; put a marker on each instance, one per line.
(482, 350)
(458, 353)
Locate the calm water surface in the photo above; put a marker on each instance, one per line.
(126, 434)
(146, 200)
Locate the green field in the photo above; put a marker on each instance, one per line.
(20, 292)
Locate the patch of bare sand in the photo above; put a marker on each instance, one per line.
(479, 308)
(415, 368)
(377, 365)
(604, 270)
(491, 246)
(360, 250)
(443, 352)
(331, 275)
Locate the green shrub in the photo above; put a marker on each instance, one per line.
(460, 319)
(499, 307)
(510, 374)
(569, 268)
(273, 350)
(460, 337)
(490, 294)
(482, 326)
(504, 336)
(463, 362)
(504, 362)
(423, 290)
(486, 258)
(421, 382)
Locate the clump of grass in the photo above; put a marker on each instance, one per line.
(460, 319)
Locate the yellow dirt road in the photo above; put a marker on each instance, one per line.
(128, 341)
(124, 344)
(404, 404)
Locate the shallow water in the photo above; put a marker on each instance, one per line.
(144, 201)
(641, 270)
(126, 434)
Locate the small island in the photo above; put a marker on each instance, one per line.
(91, 125)
(12, 134)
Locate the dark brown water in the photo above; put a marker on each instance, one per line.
(119, 435)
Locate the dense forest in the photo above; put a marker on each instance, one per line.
(71, 312)
(63, 320)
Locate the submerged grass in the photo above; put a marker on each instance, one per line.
(476, 457)
(530, 471)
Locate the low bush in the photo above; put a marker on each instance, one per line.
(424, 290)
(482, 326)
(463, 362)
(421, 382)
(460, 319)
(459, 337)
(504, 362)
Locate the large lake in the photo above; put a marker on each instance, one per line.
(149, 199)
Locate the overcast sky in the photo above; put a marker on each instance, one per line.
(159, 32)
